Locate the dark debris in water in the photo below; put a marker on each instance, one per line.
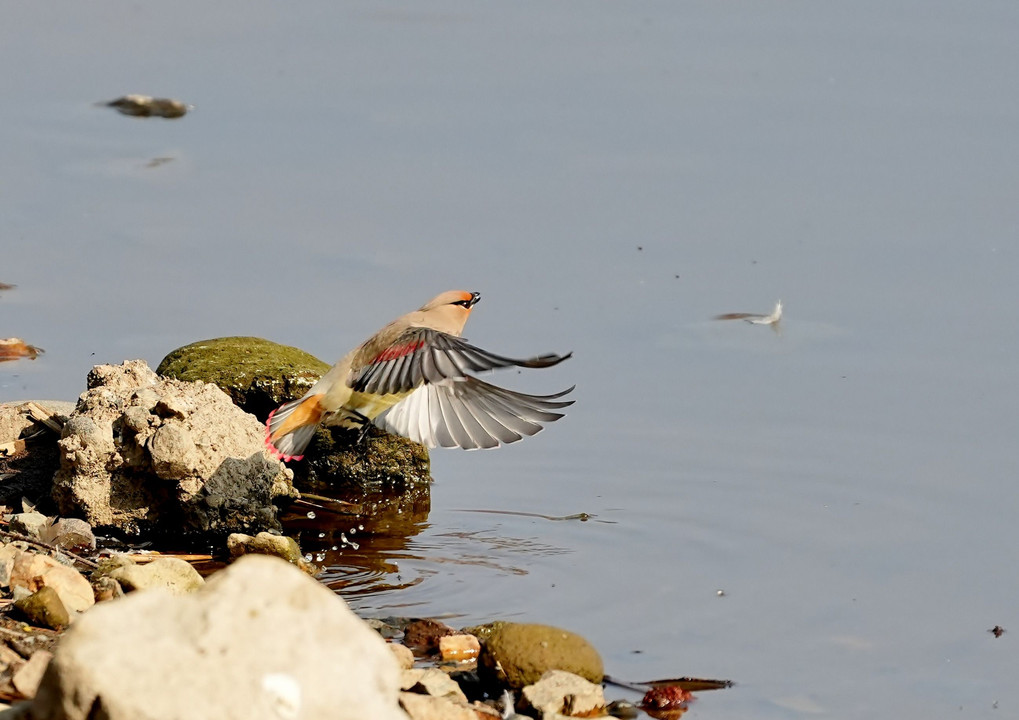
(148, 106)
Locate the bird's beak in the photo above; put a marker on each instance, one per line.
(475, 297)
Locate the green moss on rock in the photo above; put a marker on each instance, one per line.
(257, 374)
(518, 654)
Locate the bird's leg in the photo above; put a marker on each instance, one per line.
(364, 424)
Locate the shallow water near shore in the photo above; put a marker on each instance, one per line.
(824, 514)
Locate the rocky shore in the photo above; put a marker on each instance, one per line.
(97, 622)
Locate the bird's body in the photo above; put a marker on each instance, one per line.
(411, 378)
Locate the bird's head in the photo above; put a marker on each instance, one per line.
(450, 310)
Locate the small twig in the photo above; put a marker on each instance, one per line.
(48, 546)
(44, 416)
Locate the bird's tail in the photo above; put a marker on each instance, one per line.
(291, 427)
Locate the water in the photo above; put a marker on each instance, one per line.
(610, 176)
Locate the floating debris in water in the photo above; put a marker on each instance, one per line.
(16, 348)
(997, 631)
(6, 286)
(670, 699)
(755, 318)
(148, 106)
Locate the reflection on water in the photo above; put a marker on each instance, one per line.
(368, 541)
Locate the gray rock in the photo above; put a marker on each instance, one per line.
(144, 455)
(70, 533)
(562, 693)
(30, 524)
(260, 641)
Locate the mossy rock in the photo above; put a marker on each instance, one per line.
(258, 375)
(381, 460)
(518, 654)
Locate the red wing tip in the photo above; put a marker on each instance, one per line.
(272, 448)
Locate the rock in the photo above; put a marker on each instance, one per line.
(30, 473)
(260, 375)
(423, 635)
(26, 680)
(32, 571)
(260, 640)
(171, 574)
(518, 654)
(7, 554)
(431, 681)
(143, 455)
(70, 533)
(562, 693)
(459, 648)
(30, 524)
(257, 374)
(404, 657)
(266, 543)
(381, 460)
(427, 707)
(44, 608)
(106, 588)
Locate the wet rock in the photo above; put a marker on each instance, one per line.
(622, 709)
(26, 680)
(404, 657)
(44, 608)
(562, 693)
(32, 571)
(381, 460)
(171, 574)
(423, 636)
(518, 654)
(431, 681)
(143, 455)
(70, 533)
(260, 640)
(459, 648)
(257, 374)
(427, 707)
(266, 543)
(30, 524)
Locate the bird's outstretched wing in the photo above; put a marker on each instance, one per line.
(468, 413)
(422, 356)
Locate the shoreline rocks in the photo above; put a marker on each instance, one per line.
(142, 455)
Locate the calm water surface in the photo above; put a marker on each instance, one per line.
(610, 176)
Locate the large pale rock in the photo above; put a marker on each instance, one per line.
(32, 571)
(141, 454)
(261, 641)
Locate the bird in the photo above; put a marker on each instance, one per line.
(411, 378)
